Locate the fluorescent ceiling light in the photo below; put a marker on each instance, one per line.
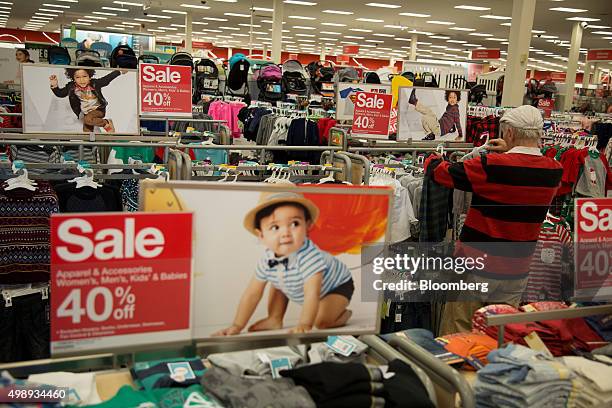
(346, 13)
(481, 35)
(114, 9)
(334, 24)
(538, 31)
(462, 29)
(586, 19)
(178, 25)
(45, 14)
(602, 32)
(477, 8)
(41, 18)
(195, 6)
(329, 39)
(124, 23)
(457, 41)
(506, 24)
(420, 32)
(153, 30)
(92, 21)
(383, 35)
(81, 23)
(101, 13)
(56, 5)
(226, 1)
(440, 37)
(304, 28)
(383, 5)
(330, 32)
(438, 22)
(249, 25)
(5, 7)
(265, 9)
(146, 20)
(415, 15)
(98, 18)
(494, 17)
(214, 19)
(241, 35)
(57, 12)
(169, 28)
(127, 3)
(400, 39)
(360, 30)
(568, 10)
(496, 39)
(228, 28)
(299, 17)
(598, 26)
(199, 23)
(370, 20)
(304, 35)
(300, 3)
(473, 45)
(397, 27)
(6, 2)
(174, 12)
(237, 15)
(354, 37)
(308, 41)
(548, 36)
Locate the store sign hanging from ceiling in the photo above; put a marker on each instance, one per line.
(350, 50)
(200, 45)
(343, 59)
(486, 54)
(599, 55)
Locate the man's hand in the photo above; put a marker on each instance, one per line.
(497, 145)
(53, 81)
(123, 71)
(229, 331)
(300, 328)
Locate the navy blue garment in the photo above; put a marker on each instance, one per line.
(303, 132)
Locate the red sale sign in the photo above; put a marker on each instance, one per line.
(372, 115)
(547, 105)
(599, 55)
(593, 247)
(165, 90)
(116, 279)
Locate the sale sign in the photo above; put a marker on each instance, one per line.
(372, 115)
(120, 280)
(350, 50)
(547, 105)
(593, 247)
(165, 90)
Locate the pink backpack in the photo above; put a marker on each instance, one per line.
(271, 73)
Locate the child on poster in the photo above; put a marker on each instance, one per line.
(296, 268)
(449, 122)
(85, 95)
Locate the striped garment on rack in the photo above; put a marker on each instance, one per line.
(36, 154)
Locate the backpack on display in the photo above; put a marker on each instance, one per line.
(182, 58)
(269, 83)
(123, 56)
(88, 58)
(206, 79)
(58, 55)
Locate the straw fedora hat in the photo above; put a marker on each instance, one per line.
(267, 199)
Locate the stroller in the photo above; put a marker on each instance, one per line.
(294, 79)
(88, 58)
(269, 82)
(321, 78)
(206, 79)
(58, 55)
(371, 78)
(148, 59)
(347, 75)
(104, 49)
(237, 82)
(182, 58)
(123, 56)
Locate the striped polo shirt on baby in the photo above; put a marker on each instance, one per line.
(290, 273)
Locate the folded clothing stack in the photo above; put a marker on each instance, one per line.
(353, 385)
(255, 362)
(320, 352)
(561, 337)
(594, 382)
(520, 377)
(472, 347)
(178, 372)
(234, 391)
(426, 340)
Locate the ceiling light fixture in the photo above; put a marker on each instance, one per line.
(462, 29)
(214, 19)
(440, 37)
(56, 5)
(195, 6)
(334, 24)
(419, 15)
(370, 20)
(586, 19)
(383, 5)
(127, 3)
(237, 15)
(568, 10)
(476, 8)
(114, 9)
(300, 3)
(145, 20)
(345, 13)
(438, 22)
(494, 17)
(298, 17)
(101, 13)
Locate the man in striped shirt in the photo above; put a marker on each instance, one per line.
(512, 193)
(295, 267)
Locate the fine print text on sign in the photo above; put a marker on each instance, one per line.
(593, 248)
(110, 274)
(372, 115)
(165, 90)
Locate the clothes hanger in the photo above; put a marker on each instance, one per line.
(22, 180)
(86, 179)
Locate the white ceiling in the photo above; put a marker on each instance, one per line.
(385, 35)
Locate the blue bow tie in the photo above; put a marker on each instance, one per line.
(273, 262)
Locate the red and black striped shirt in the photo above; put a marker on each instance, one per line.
(512, 193)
